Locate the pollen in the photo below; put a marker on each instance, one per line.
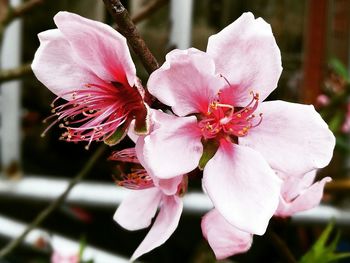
(224, 119)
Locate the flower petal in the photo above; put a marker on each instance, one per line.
(99, 47)
(186, 81)
(306, 199)
(164, 225)
(292, 137)
(137, 210)
(246, 53)
(174, 147)
(167, 186)
(242, 187)
(56, 67)
(223, 238)
(292, 186)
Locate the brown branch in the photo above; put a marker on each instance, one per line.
(148, 10)
(11, 74)
(281, 247)
(20, 10)
(338, 185)
(54, 205)
(127, 28)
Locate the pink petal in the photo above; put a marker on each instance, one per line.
(137, 210)
(186, 81)
(167, 186)
(173, 148)
(98, 46)
(56, 67)
(242, 187)
(292, 186)
(164, 225)
(306, 199)
(246, 53)
(293, 138)
(223, 238)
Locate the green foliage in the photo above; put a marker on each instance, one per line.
(209, 149)
(118, 135)
(336, 121)
(339, 68)
(83, 244)
(323, 251)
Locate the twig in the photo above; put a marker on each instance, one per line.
(11, 74)
(338, 185)
(127, 28)
(20, 10)
(281, 247)
(45, 213)
(148, 10)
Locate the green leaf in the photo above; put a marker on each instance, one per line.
(209, 149)
(324, 250)
(118, 135)
(337, 120)
(82, 247)
(339, 68)
(342, 143)
(142, 122)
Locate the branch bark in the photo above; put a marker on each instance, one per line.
(127, 28)
(11, 74)
(52, 207)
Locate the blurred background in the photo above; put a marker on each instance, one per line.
(314, 38)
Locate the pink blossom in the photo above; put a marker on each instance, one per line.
(87, 64)
(345, 128)
(57, 257)
(300, 194)
(322, 100)
(138, 209)
(223, 238)
(218, 97)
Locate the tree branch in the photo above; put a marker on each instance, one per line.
(45, 213)
(281, 247)
(20, 10)
(148, 10)
(11, 74)
(127, 28)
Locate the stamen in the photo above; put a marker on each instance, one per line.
(94, 113)
(222, 119)
(222, 76)
(126, 155)
(138, 179)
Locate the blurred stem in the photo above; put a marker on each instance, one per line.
(148, 10)
(55, 204)
(127, 28)
(11, 74)
(280, 246)
(14, 12)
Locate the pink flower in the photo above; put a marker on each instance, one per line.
(223, 238)
(322, 100)
(345, 128)
(218, 97)
(57, 257)
(138, 209)
(300, 194)
(88, 64)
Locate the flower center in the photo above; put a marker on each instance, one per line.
(224, 119)
(137, 177)
(95, 112)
